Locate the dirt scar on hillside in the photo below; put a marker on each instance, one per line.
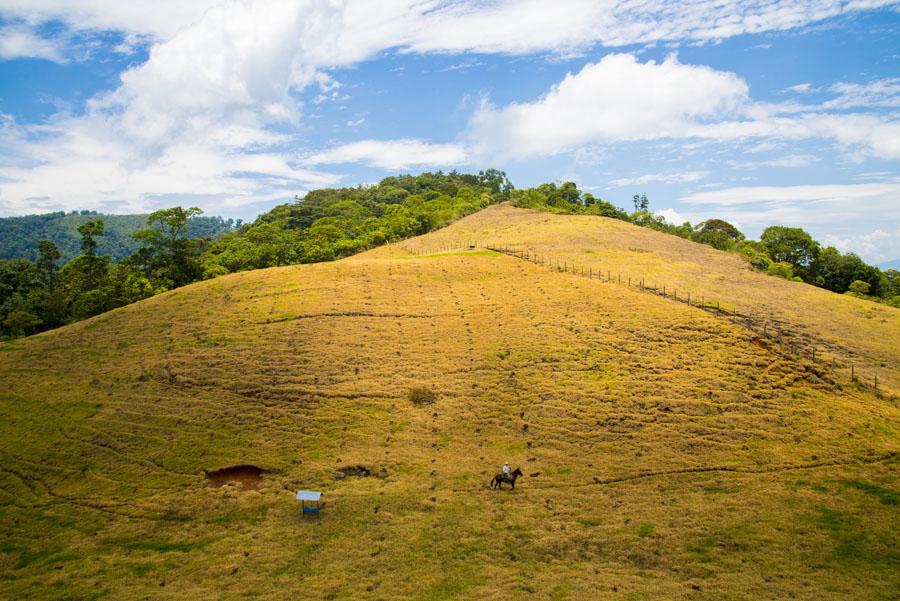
(248, 476)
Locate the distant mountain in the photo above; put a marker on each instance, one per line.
(895, 264)
(19, 236)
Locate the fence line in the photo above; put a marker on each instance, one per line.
(758, 325)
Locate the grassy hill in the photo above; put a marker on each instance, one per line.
(668, 453)
(851, 330)
(19, 236)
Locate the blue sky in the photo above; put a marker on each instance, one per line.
(760, 112)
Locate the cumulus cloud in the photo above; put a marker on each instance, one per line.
(201, 116)
(615, 99)
(877, 246)
(620, 99)
(392, 154)
(671, 216)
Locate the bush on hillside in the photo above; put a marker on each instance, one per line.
(781, 270)
(859, 287)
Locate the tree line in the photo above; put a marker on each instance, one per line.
(47, 292)
(786, 252)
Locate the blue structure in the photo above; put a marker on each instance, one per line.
(309, 496)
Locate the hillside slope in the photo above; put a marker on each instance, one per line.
(853, 331)
(667, 453)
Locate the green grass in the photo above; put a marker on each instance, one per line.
(886, 496)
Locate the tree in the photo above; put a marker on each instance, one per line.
(168, 256)
(48, 255)
(838, 271)
(645, 204)
(90, 230)
(636, 200)
(791, 245)
(718, 234)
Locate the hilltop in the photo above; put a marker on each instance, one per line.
(668, 453)
(19, 236)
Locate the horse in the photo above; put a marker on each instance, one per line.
(501, 478)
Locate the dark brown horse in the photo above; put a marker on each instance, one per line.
(501, 478)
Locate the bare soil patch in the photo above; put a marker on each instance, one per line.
(248, 476)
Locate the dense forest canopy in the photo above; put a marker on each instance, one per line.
(177, 246)
(19, 236)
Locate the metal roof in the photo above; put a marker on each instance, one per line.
(308, 495)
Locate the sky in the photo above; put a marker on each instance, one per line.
(758, 112)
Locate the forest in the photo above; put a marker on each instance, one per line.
(19, 236)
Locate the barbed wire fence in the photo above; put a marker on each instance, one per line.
(760, 324)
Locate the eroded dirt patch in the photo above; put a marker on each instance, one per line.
(248, 476)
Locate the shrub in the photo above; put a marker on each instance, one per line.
(422, 396)
(781, 270)
(860, 287)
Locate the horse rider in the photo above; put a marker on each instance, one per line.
(506, 471)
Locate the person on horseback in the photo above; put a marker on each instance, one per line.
(506, 471)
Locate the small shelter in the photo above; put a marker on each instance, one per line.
(309, 496)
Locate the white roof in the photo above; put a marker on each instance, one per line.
(308, 495)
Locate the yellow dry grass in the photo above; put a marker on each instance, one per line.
(852, 330)
(668, 453)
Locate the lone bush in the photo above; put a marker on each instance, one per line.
(422, 396)
(860, 287)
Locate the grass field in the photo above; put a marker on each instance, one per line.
(853, 331)
(667, 453)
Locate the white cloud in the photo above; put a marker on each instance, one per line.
(213, 109)
(671, 177)
(791, 160)
(821, 209)
(801, 88)
(827, 193)
(504, 26)
(17, 41)
(392, 154)
(200, 116)
(876, 247)
(616, 99)
(620, 99)
(671, 216)
(881, 93)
